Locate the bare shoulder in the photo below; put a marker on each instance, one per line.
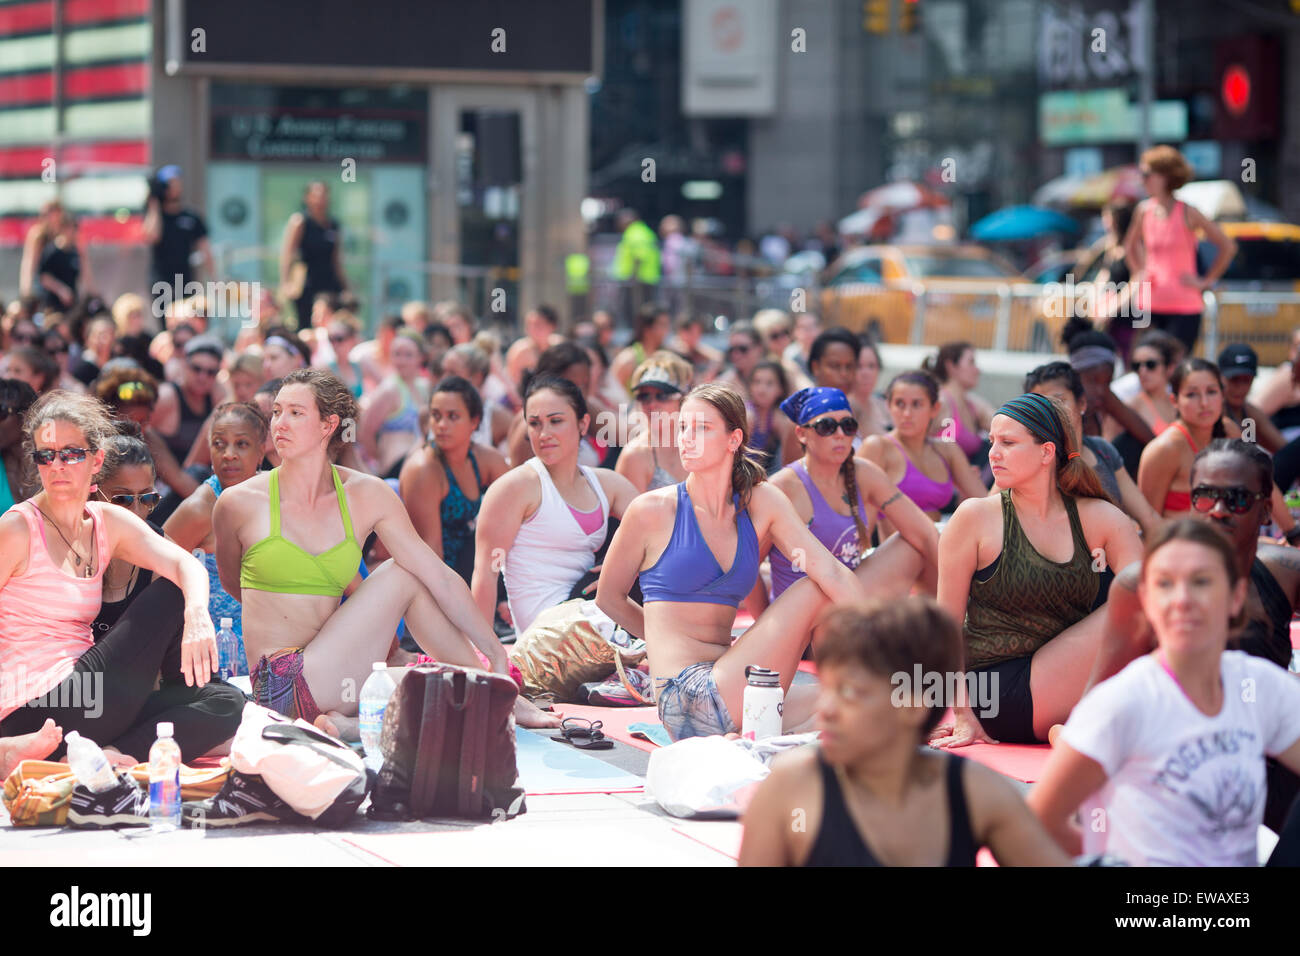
(13, 531)
(876, 447)
(612, 483)
(652, 507)
(986, 790)
(1097, 511)
(490, 462)
(796, 766)
(246, 494)
(786, 480)
(868, 472)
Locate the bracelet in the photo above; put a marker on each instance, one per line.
(898, 494)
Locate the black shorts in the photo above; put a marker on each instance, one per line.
(1014, 721)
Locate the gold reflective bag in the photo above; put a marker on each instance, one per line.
(563, 650)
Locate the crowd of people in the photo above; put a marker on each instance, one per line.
(1089, 552)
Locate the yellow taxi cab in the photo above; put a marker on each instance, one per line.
(1267, 262)
(956, 289)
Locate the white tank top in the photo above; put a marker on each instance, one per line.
(551, 553)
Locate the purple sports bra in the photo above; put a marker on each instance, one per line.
(837, 532)
(929, 495)
(969, 442)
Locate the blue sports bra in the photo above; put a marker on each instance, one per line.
(687, 571)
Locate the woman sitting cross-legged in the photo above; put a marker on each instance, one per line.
(828, 481)
(289, 544)
(54, 551)
(867, 794)
(696, 549)
(1021, 569)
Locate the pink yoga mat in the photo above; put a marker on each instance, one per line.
(616, 720)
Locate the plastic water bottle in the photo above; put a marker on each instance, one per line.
(371, 706)
(89, 765)
(227, 649)
(165, 780)
(764, 705)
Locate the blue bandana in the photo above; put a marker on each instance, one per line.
(808, 403)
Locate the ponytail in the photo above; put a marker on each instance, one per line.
(746, 474)
(849, 472)
(1074, 476)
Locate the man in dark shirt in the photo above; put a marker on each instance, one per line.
(174, 232)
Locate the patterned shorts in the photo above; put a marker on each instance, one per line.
(279, 685)
(690, 704)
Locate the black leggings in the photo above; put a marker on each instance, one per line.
(109, 695)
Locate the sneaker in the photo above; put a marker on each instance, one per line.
(612, 693)
(127, 804)
(244, 798)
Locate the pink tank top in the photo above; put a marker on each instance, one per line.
(45, 615)
(1170, 248)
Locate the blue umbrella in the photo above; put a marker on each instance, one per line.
(1021, 222)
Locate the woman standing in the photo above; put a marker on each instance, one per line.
(1172, 745)
(1161, 248)
(443, 482)
(313, 244)
(288, 545)
(64, 267)
(390, 425)
(677, 541)
(1021, 568)
(235, 448)
(54, 550)
(928, 471)
(836, 495)
(650, 459)
(548, 516)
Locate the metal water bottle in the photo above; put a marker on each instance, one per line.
(764, 704)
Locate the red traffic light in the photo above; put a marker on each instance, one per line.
(1235, 89)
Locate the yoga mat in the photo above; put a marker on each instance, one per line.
(547, 767)
(616, 721)
(1023, 762)
(1295, 634)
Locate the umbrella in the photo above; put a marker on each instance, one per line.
(1021, 222)
(1214, 198)
(1094, 191)
(878, 208)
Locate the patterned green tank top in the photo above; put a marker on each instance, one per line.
(1022, 600)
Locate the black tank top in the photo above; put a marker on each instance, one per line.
(1273, 643)
(839, 843)
(317, 252)
(182, 441)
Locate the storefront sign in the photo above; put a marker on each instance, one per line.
(1076, 47)
(1105, 116)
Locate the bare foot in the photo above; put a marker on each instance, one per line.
(397, 657)
(528, 714)
(14, 750)
(119, 760)
(337, 725)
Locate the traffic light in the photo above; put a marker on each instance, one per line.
(1248, 69)
(908, 16)
(875, 16)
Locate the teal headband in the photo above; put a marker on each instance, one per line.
(1037, 414)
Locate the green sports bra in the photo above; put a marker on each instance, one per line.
(278, 565)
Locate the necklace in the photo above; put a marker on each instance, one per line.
(76, 555)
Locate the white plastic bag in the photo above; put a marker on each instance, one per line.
(704, 777)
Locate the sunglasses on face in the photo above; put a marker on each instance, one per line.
(1237, 500)
(56, 346)
(740, 349)
(69, 456)
(23, 337)
(148, 499)
(204, 369)
(780, 334)
(339, 339)
(826, 426)
(1149, 364)
(646, 396)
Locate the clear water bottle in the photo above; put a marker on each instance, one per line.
(227, 650)
(88, 764)
(165, 780)
(374, 701)
(764, 704)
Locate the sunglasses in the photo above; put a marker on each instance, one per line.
(648, 395)
(1237, 500)
(205, 369)
(69, 456)
(7, 410)
(135, 392)
(339, 339)
(780, 334)
(56, 346)
(1149, 364)
(826, 426)
(20, 337)
(148, 499)
(740, 348)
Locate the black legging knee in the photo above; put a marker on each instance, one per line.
(109, 695)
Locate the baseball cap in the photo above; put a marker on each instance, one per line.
(659, 377)
(205, 343)
(1238, 360)
(167, 173)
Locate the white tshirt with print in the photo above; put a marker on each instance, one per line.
(1184, 789)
